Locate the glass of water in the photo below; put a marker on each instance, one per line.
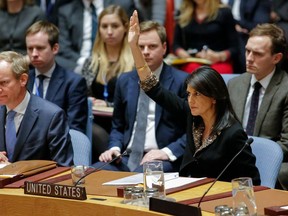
(154, 177)
(78, 171)
(243, 196)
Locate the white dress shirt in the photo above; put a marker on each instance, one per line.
(20, 110)
(46, 81)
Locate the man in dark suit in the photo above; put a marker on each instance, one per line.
(265, 48)
(50, 7)
(76, 43)
(247, 15)
(37, 129)
(164, 135)
(65, 88)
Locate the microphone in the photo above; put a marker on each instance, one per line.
(247, 143)
(126, 152)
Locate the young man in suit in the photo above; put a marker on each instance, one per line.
(247, 15)
(164, 136)
(265, 49)
(65, 88)
(30, 128)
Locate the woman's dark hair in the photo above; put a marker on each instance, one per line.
(210, 83)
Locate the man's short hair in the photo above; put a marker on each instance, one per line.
(152, 25)
(275, 33)
(44, 26)
(19, 63)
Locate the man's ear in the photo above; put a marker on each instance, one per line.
(55, 48)
(277, 58)
(23, 79)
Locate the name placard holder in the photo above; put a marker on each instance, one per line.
(55, 190)
(173, 208)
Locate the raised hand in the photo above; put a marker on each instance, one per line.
(134, 29)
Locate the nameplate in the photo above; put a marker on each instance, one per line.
(55, 190)
(173, 208)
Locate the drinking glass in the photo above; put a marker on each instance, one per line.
(243, 197)
(154, 177)
(77, 171)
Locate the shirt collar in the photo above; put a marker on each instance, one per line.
(88, 2)
(48, 73)
(157, 72)
(265, 81)
(21, 108)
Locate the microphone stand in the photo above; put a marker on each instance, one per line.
(247, 143)
(128, 151)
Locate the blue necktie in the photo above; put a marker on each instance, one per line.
(10, 134)
(40, 86)
(253, 109)
(140, 132)
(94, 23)
(49, 7)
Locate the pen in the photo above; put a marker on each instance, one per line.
(99, 199)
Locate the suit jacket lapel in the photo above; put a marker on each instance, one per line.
(55, 83)
(132, 96)
(2, 128)
(242, 93)
(26, 126)
(31, 80)
(272, 88)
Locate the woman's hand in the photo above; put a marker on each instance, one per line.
(212, 56)
(134, 30)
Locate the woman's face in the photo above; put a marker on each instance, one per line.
(200, 105)
(112, 30)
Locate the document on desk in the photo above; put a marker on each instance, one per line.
(138, 179)
(180, 181)
(2, 165)
(172, 180)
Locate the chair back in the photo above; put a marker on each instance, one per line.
(269, 157)
(89, 120)
(227, 77)
(82, 148)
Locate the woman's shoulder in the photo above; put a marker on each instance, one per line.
(234, 127)
(33, 10)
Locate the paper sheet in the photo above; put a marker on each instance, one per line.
(138, 179)
(180, 181)
(3, 165)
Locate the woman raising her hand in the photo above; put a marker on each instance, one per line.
(214, 134)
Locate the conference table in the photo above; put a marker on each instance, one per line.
(14, 202)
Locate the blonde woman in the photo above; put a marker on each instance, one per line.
(15, 18)
(206, 29)
(111, 56)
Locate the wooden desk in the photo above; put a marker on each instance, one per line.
(13, 202)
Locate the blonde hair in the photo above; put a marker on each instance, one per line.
(187, 11)
(100, 61)
(3, 3)
(18, 62)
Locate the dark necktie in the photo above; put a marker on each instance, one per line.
(94, 23)
(10, 134)
(140, 132)
(40, 86)
(253, 109)
(49, 7)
